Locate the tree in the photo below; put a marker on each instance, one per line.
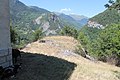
(38, 34)
(83, 38)
(14, 35)
(69, 31)
(113, 4)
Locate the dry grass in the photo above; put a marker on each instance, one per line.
(55, 46)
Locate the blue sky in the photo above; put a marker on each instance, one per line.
(88, 8)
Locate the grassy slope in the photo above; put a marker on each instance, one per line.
(52, 63)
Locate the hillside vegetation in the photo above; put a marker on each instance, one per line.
(110, 15)
(107, 17)
(103, 44)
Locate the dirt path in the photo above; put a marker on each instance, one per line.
(63, 47)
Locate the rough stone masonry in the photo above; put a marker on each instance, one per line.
(5, 43)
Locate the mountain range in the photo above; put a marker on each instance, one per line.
(26, 19)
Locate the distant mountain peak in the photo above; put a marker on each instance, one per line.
(78, 17)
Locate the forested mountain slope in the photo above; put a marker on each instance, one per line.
(107, 17)
(103, 43)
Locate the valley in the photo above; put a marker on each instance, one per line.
(52, 43)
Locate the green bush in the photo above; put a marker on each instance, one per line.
(38, 34)
(104, 45)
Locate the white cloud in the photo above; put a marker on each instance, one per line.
(65, 10)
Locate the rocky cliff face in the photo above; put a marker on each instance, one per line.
(49, 22)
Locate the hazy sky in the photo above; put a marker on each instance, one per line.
(88, 8)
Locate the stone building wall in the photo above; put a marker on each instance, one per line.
(5, 43)
(5, 57)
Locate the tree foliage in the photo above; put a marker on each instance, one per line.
(19, 39)
(113, 4)
(14, 35)
(38, 34)
(69, 31)
(105, 45)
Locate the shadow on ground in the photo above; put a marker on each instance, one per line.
(42, 67)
